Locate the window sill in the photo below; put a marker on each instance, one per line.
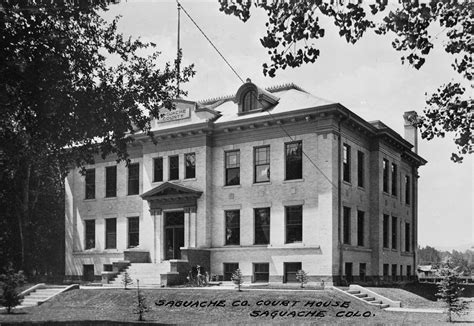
(347, 183)
(190, 179)
(231, 186)
(110, 198)
(261, 183)
(90, 199)
(157, 181)
(132, 195)
(406, 253)
(361, 188)
(293, 180)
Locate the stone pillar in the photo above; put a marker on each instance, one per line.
(159, 225)
(193, 229)
(187, 227)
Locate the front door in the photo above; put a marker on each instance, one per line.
(174, 234)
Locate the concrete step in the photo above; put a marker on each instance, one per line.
(368, 298)
(360, 295)
(353, 291)
(375, 302)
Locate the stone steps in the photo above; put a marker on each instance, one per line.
(367, 298)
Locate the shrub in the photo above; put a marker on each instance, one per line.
(141, 306)
(197, 276)
(302, 277)
(126, 280)
(10, 281)
(237, 278)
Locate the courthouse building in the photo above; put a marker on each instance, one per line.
(269, 181)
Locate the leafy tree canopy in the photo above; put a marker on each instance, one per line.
(62, 101)
(294, 26)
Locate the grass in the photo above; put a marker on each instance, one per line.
(117, 305)
(407, 298)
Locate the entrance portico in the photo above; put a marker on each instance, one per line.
(173, 208)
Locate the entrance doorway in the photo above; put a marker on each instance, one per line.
(174, 234)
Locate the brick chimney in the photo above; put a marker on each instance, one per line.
(411, 131)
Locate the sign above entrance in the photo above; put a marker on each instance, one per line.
(174, 114)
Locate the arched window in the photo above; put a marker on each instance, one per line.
(249, 102)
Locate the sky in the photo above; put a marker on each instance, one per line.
(367, 78)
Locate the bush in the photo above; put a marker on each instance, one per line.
(302, 277)
(10, 281)
(141, 306)
(126, 280)
(237, 278)
(197, 276)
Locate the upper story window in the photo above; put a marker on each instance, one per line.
(346, 163)
(262, 164)
(90, 183)
(190, 171)
(294, 160)
(385, 175)
(111, 181)
(158, 169)
(249, 102)
(360, 169)
(232, 168)
(133, 231)
(133, 179)
(407, 190)
(360, 228)
(174, 167)
(386, 220)
(394, 179)
(346, 223)
(110, 233)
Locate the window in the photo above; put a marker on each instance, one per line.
(401, 272)
(108, 268)
(229, 269)
(407, 237)
(346, 225)
(394, 179)
(110, 233)
(261, 272)
(90, 234)
(294, 160)
(249, 102)
(385, 230)
(360, 169)
(88, 273)
(362, 271)
(394, 272)
(90, 184)
(190, 171)
(385, 175)
(346, 163)
(360, 228)
(408, 270)
(174, 167)
(290, 270)
(262, 164)
(158, 169)
(407, 190)
(133, 232)
(385, 270)
(232, 168)
(348, 272)
(111, 181)
(133, 179)
(394, 232)
(232, 227)
(294, 224)
(262, 225)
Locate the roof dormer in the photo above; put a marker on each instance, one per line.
(251, 98)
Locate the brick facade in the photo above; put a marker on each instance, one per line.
(215, 127)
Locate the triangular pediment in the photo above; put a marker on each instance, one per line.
(169, 190)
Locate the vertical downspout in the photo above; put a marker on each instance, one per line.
(339, 200)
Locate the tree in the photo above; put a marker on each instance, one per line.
(429, 255)
(449, 291)
(10, 281)
(142, 307)
(237, 278)
(62, 102)
(293, 27)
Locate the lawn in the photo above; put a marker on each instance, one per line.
(197, 306)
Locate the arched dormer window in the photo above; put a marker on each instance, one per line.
(249, 102)
(252, 99)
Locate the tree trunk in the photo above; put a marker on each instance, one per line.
(23, 214)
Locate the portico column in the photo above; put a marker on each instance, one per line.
(193, 238)
(157, 222)
(186, 227)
